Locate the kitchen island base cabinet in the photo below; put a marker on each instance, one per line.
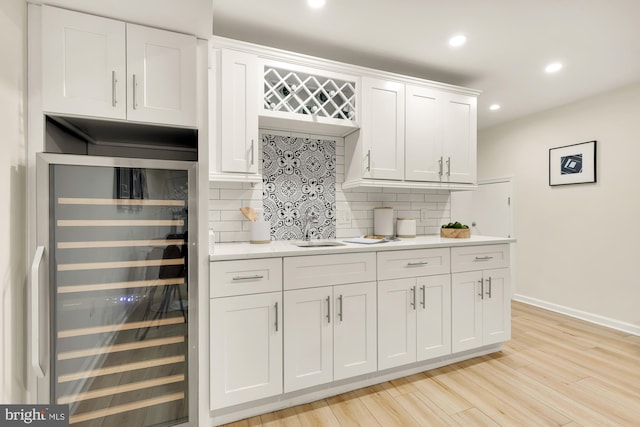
(246, 343)
(413, 320)
(330, 334)
(481, 311)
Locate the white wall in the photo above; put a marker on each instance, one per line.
(354, 207)
(13, 28)
(577, 244)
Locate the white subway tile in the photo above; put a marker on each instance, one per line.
(382, 197)
(225, 184)
(227, 226)
(225, 205)
(411, 197)
(214, 193)
(234, 236)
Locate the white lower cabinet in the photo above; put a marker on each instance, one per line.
(481, 310)
(246, 348)
(330, 334)
(414, 319)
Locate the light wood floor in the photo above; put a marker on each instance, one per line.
(555, 371)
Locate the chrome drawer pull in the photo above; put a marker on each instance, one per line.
(489, 282)
(483, 258)
(416, 264)
(424, 297)
(257, 276)
(276, 307)
(481, 294)
(413, 300)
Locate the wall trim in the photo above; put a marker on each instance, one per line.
(579, 314)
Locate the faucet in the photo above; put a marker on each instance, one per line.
(311, 218)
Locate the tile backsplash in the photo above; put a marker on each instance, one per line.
(353, 207)
(299, 181)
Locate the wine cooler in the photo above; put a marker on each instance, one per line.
(110, 293)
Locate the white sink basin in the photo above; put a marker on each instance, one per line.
(317, 243)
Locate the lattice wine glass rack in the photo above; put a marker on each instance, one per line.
(301, 93)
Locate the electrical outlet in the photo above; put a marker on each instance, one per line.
(424, 215)
(343, 216)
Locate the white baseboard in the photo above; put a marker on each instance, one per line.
(582, 315)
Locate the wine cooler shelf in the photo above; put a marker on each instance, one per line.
(300, 93)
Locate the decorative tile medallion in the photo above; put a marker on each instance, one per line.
(299, 177)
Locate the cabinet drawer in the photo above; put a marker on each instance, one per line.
(321, 270)
(228, 278)
(470, 258)
(413, 263)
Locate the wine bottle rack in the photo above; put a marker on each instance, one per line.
(301, 93)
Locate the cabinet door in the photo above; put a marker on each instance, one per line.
(83, 64)
(239, 111)
(354, 330)
(459, 138)
(383, 128)
(396, 322)
(246, 348)
(308, 349)
(466, 311)
(161, 76)
(496, 311)
(434, 316)
(423, 140)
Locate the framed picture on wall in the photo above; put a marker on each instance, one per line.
(573, 164)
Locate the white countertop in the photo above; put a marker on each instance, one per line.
(281, 248)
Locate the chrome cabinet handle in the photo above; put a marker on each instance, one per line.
(328, 309)
(448, 166)
(368, 160)
(489, 283)
(483, 258)
(276, 307)
(424, 297)
(114, 100)
(481, 294)
(416, 264)
(413, 300)
(252, 159)
(440, 167)
(135, 90)
(340, 308)
(35, 312)
(257, 276)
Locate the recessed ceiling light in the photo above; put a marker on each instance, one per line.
(457, 40)
(316, 3)
(494, 107)
(554, 67)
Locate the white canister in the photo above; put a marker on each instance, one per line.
(406, 227)
(383, 221)
(260, 231)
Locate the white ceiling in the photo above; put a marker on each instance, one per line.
(509, 43)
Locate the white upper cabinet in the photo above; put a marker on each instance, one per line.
(161, 70)
(424, 134)
(98, 67)
(412, 136)
(234, 85)
(383, 128)
(441, 136)
(84, 64)
(238, 113)
(459, 138)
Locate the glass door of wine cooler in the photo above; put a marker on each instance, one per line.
(119, 297)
